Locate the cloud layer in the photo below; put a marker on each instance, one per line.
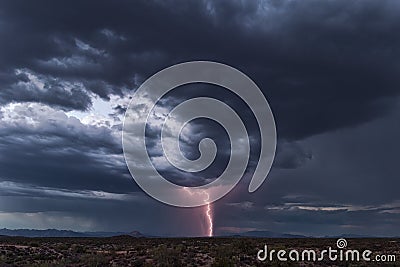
(329, 70)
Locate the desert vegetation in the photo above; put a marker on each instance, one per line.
(130, 251)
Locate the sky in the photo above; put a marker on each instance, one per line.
(329, 70)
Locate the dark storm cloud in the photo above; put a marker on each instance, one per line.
(298, 218)
(323, 65)
(349, 186)
(291, 155)
(101, 214)
(44, 147)
(44, 90)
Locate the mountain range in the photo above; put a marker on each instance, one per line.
(265, 234)
(64, 233)
(69, 233)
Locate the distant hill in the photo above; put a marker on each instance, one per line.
(103, 234)
(40, 233)
(351, 236)
(136, 234)
(265, 234)
(63, 233)
(269, 234)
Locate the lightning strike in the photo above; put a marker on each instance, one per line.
(210, 222)
(208, 210)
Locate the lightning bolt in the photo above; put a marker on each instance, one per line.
(208, 210)
(210, 222)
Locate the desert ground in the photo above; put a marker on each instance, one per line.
(130, 251)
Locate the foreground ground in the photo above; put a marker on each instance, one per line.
(129, 251)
